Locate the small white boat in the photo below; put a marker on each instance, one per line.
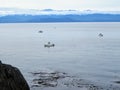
(49, 45)
(100, 35)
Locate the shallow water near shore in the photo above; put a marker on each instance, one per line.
(78, 50)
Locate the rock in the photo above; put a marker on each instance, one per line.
(11, 78)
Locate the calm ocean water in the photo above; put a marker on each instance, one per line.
(78, 49)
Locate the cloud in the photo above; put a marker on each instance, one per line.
(63, 4)
(12, 11)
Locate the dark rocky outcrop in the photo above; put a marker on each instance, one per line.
(11, 78)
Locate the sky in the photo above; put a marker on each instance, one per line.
(108, 5)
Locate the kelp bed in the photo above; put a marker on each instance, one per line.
(62, 79)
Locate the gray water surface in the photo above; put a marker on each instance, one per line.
(78, 49)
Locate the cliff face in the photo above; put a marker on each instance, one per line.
(11, 78)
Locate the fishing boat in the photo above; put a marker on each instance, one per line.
(100, 35)
(40, 31)
(49, 45)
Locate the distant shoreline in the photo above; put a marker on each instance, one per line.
(23, 18)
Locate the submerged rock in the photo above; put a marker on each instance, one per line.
(11, 78)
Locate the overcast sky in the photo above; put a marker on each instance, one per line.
(63, 4)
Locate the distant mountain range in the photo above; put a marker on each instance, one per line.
(13, 15)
